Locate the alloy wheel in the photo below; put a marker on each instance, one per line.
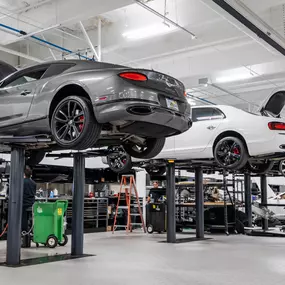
(118, 158)
(69, 121)
(228, 153)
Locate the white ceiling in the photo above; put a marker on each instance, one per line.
(242, 67)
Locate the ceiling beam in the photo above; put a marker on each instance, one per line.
(20, 54)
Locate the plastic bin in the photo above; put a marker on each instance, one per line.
(49, 223)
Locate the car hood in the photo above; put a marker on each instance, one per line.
(6, 69)
(274, 104)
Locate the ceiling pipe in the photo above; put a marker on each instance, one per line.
(31, 34)
(200, 99)
(44, 41)
(193, 36)
(20, 54)
(88, 40)
(50, 50)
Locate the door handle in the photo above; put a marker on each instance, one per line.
(211, 128)
(25, 92)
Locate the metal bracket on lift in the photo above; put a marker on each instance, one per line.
(86, 154)
(23, 141)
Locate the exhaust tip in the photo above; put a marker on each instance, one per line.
(282, 146)
(140, 110)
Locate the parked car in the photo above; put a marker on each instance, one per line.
(83, 104)
(231, 137)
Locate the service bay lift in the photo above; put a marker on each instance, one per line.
(17, 146)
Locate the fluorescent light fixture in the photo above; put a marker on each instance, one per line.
(148, 32)
(235, 77)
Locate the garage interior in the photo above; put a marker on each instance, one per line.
(172, 217)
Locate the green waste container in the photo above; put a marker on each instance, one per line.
(49, 223)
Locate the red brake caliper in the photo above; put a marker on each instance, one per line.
(236, 150)
(81, 120)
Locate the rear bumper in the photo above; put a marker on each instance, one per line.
(272, 149)
(143, 118)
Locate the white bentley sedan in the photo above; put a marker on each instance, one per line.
(232, 137)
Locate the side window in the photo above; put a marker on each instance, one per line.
(205, 114)
(57, 68)
(26, 77)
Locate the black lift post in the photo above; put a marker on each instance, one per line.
(247, 194)
(226, 222)
(16, 188)
(263, 184)
(170, 194)
(78, 204)
(199, 202)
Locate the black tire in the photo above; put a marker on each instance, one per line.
(231, 153)
(86, 133)
(35, 157)
(52, 241)
(150, 149)
(281, 167)
(150, 229)
(155, 171)
(119, 161)
(260, 168)
(64, 242)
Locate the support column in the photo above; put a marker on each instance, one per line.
(234, 201)
(226, 222)
(170, 195)
(199, 202)
(263, 186)
(247, 200)
(78, 204)
(15, 204)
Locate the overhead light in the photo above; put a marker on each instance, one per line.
(148, 32)
(235, 77)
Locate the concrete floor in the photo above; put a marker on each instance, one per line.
(141, 259)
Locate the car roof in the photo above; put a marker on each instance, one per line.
(82, 64)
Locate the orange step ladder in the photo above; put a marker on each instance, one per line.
(128, 186)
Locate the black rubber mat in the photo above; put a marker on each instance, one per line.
(183, 240)
(46, 259)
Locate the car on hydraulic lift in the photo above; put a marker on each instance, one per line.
(232, 138)
(82, 104)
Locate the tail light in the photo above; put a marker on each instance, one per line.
(276, 126)
(135, 76)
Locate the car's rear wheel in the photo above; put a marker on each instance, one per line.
(261, 168)
(231, 153)
(149, 149)
(118, 160)
(73, 124)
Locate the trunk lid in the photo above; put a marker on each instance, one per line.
(274, 104)
(167, 85)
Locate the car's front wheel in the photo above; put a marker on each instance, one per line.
(281, 167)
(35, 157)
(150, 148)
(231, 153)
(118, 160)
(261, 167)
(73, 124)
